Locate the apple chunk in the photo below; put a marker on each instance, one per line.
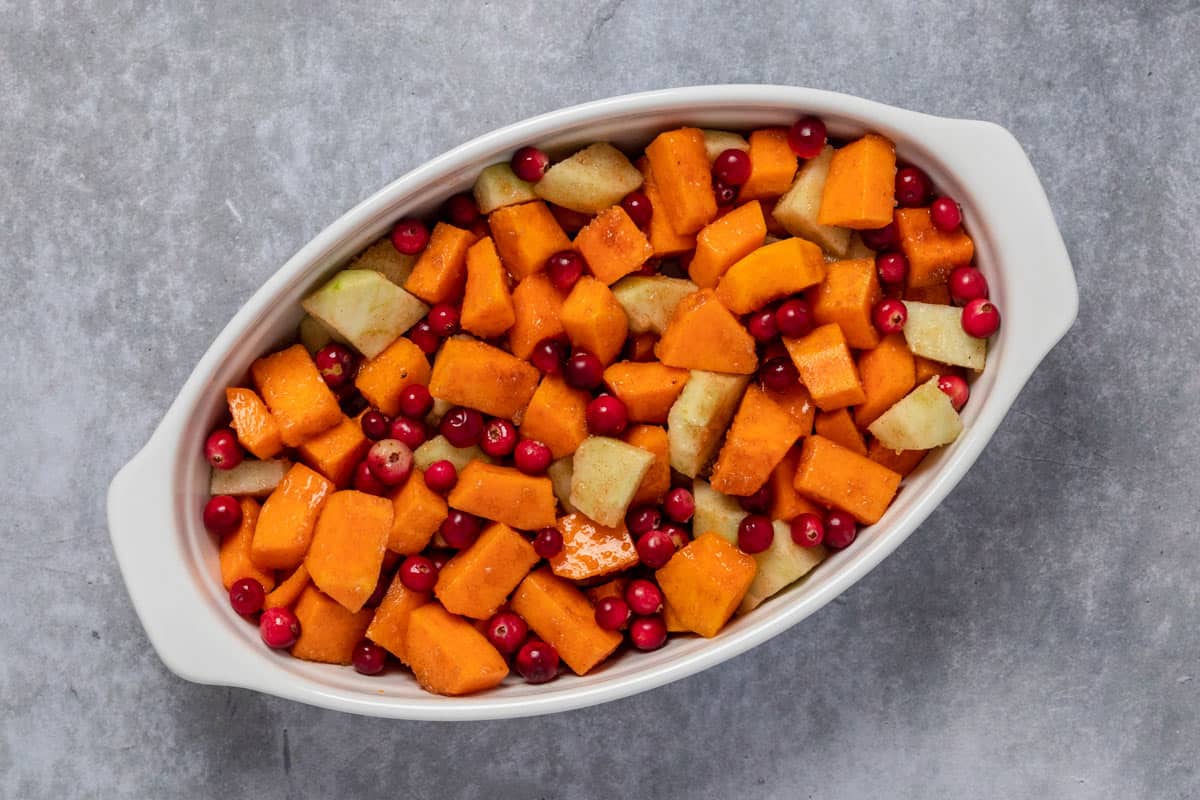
(590, 181)
(797, 209)
(498, 186)
(560, 473)
(606, 476)
(935, 332)
(717, 142)
(439, 449)
(366, 308)
(779, 566)
(650, 302)
(925, 418)
(698, 418)
(716, 512)
(249, 478)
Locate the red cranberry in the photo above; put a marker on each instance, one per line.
(840, 529)
(759, 502)
(912, 187)
(807, 137)
(761, 324)
(583, 371)
(945, 214)
(565, 268)
(410, 236)
(410, 431)
(462, 426)
(679, 505)
(415, 401)
(422, 336)
(222, 515)
(643, 519)
(726, 194)
(440, 557)
(794, 318)
(956, 389)
(637, 206)
(755, 533)
(278, 628)
(222, 449)
(336, 365)
(980, 318)
(537, 662)
(644, 597)
(892, 267)
(548, 542)
(889, 316)
(365, 480)
(607, 416)
(732, 167)
(418, 574)
(612, 613)
(532, 457)
(499, 438)
(440, 476)
(884, 238)
(443, 319)
(530, 164)
(655, 548)
(375, 425)
(391, 461)
(506, 631)
(460, 529)
(548, 356)
(966, 284)
(779, 374)
(808, 530)
(679, 534)
(368, 658)
(246, 595)
(648, 633)
(461, 210)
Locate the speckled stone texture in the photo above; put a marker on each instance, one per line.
(1038, 636)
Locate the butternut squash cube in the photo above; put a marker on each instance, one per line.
(448, 655)
(477, 580)
(705, 581)
(562, 616)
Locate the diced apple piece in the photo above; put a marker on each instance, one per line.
(717, 142)
(650, 302)
(716, 513)
(439, 449)
(249, 478)
(935, 332)
(590, 181)
(383, 257)
(607, 473)
(779, 566)
(924, 419)
(698, 418)
(314, 335)
(440, 407)
(560, 473)
(366, 308)
(498, 186)
(797, 209)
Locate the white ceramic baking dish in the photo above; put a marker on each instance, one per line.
(169, 561)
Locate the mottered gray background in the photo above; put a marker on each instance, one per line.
(1037, 637)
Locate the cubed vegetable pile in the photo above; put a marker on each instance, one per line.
(598, 401)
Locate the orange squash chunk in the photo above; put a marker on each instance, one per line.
(389, 627)
(594, 320)
(288, 592)
(838, 426)
(888, 373)
(591, 550)
(835, 476)
(932, 254)
(526, 236)
(285, 527)
(664, 241)
(705, 581)
(476, 581)
(683, 178)
(758, 439)
(860, 190)
(704, 335)
(440, 273)
(847, 296)
(471, 373)
(786, 502)
(256, 429)
(487, 309)
(773, 165)
(613, 245)
(505, 494)
(901, 461)
(328, 632)
(563, 617)
(417, 513)
(798, 402)
(296, 394)
(826, 368)
(234, 552)
(347, 548)
(448, 655)
(337, 451)
(556, 416)
(647, 388)
(613, 588)
(777, 270)
(725, 241)
(538, 308)
(384, 378)
(657, 480)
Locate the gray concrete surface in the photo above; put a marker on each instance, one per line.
(1037, 638)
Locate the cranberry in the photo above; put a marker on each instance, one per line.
(732, 167)
(460, 529)
(794, 318)
(644, 596)
(807, 137)
(565, 268)
(637, 206)
(761, 324)
(368, 658)
(679, 534)
(648, 633)
(612, 613)
(966, 284)
(499, 438)
(912, 187)
(411, 432)
(462, 426)
(278, 628)
(980, 318)
(336, 365)
(759, 502)
(443, 319)
(583, 370)
(391, 461)
(222, 515)
(607, 416)
(537, 662)
(892, 267)
(440, 476)
(506, 631)
(779, 374)
(655, 548)
(222, 449)
(755, 533)
(808, 530)
(461, 210)
(643, 519)
(365, 480)
(840, 529)
(440, 557)
(375, 425)
(726, 195)
(548, 355)
(530, 164)
(422, 336)
(956, 389)
(945, 214)
(889, 316)
(415, 401)
(418, 574)
(246, 595)
(884, 238)
(679, 505)
(410, 236)
(548, 542)
(532, 457)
